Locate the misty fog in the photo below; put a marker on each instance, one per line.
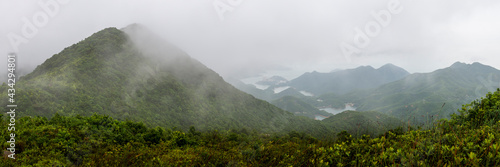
(250, 83)
(251, 38)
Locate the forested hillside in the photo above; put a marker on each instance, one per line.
(127, 98)
(131, 74)
(360, 123)
(257, 83)
(470, 138)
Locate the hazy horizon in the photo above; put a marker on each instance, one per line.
(248, 38)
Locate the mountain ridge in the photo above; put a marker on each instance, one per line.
(438, 93)
(341, 82)
(108, 73)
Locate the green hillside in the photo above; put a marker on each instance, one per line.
(128, 98)
(131, 74)
(470, 138)
(360, 123)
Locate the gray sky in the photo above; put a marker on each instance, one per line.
(262, 35)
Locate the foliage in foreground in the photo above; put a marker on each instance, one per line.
(469, 139)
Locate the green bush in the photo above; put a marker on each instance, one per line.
(469, 139)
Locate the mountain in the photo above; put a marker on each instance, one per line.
(132, 74)
(425, 97)
(345, 81)
(299, 107)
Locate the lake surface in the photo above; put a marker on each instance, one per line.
(319, 117)
(261, 87)
(306, 93)
(335, 111)
(280, 89)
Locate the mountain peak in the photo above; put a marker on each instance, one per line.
(365, 68)
(473, 67)
(137, 30)
(478, 64)
(393, 68)
(134, 26)
(458, 65)
(389, 65)
(462, 65)
(116, 73)
(89, 53)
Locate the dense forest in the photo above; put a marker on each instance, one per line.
(469, 138)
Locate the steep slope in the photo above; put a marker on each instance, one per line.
(132, 74)
(345, 81)
(422, 98)
(299, 107)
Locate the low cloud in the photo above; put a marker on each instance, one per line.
(258, 35)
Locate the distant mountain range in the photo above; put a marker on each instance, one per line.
(315, 83)
(345, 81)
(418, 98)
(312, 84)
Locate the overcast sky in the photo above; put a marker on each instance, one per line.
(252, 36)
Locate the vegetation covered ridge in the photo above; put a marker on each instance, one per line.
(132, 74)
(470, 138)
